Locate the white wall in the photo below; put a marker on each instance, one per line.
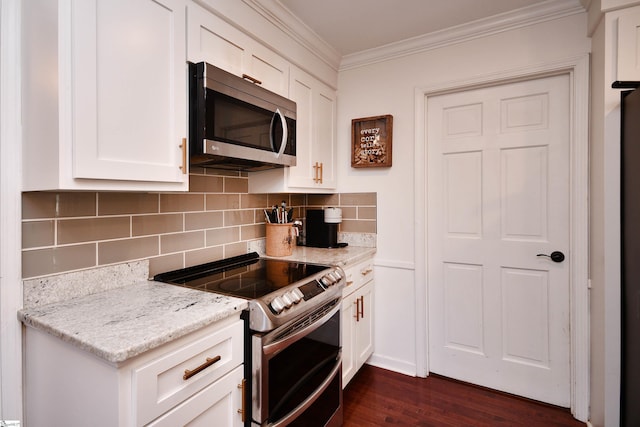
(388, 88)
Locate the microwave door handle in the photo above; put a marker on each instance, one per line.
(285, 132)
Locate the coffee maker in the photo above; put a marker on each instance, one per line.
(322, 228)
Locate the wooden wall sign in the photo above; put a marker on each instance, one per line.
(371, 141)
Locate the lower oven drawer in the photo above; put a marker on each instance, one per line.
(160, 384)
(297, 373)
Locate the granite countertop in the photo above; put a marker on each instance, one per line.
(138, 315)
(342, 257)
(121, 323)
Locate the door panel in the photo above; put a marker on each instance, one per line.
(463, 294)
(526, 316)
(462, 174)
(498, 191)
(524, 193)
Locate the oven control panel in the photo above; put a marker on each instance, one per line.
(306, 292)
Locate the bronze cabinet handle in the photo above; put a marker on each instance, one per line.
(184, 155)
(243, 387)
(251, 79)
(210, 361)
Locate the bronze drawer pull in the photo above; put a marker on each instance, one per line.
(243, 387)
(183, 146)
(251, 79)
(210, 361)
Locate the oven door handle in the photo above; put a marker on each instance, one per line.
(276, 346)
(312, 398)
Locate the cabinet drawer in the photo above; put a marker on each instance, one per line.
(160, 385)
(216, 405)
(358, 275)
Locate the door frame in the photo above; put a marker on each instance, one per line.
(577, 68)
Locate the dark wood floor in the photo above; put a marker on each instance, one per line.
(377, 397)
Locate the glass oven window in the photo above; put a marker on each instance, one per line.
(298, 370)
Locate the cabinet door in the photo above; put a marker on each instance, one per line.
(269, 68)
(127, 84)
(324, 147)
(629, 46)
(364, 327)
(348, 337)
(316, 115)
(211, 39)
(160, 385)
(217, 405)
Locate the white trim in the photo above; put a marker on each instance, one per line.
(540, 12)
(10, 212)
(391, 364)
(398, 265)
(578, 70)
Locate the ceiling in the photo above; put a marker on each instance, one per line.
(351, 26)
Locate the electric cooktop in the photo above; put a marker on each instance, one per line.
(245, 276)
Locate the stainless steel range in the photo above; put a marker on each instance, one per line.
(293, 347)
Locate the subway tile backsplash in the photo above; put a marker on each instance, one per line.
(217, 218)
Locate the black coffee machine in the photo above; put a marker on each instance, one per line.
(322, 228)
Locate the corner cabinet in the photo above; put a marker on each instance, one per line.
(357, 319)
(195, 379)
(315, 170)
(104, 95)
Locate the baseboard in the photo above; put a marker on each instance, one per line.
(399, 366)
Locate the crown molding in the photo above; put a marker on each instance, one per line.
(541, 12)
(297, 30)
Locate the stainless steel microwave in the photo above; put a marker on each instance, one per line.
(236, 124)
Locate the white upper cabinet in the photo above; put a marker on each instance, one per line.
(315, 141)
(629, 45)
(213, 40)
(316, 149)
(105, 95)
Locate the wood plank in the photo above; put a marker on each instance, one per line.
(376, 397)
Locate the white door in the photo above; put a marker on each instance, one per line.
(498, 195)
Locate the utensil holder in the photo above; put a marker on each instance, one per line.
(280, 239)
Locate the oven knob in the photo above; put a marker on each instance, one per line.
(328, 280)
(296, 297)
(298, 294)
(287, 300)
(277, 305)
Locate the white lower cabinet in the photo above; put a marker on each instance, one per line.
(216, 405)
(195, 380)
(357, 319)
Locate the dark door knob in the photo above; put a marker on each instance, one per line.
(555, 256)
